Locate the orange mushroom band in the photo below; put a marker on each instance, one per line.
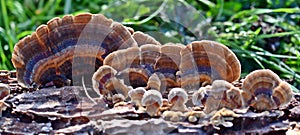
(67, 48)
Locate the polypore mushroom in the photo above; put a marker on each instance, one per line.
(106, 83)
(136, 96)
(174, 116)
(152, 99)
(142, 39)
(264, 90)
(199, 97)
(204, 61)
(223, 94)
(168, 63)
(4, 90)
(178, 97)
(70, 47)
(4, 94)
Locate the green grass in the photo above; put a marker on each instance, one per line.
(263, 34)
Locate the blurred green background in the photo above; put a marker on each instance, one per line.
(263, 33)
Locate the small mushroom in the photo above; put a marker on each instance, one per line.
(117, 98)
(136, 95)
(223, 94)
(223, 117)
(106, 83)
(101, 77)
(4, 90)
(155, 82)
(4, 94)
(200, 96)
(178, 97)
(264, 90)
(152, 99)
(194, 116)
(174, 116)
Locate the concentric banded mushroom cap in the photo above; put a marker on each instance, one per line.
(149, 55)
(264, 90)
(223, 94)
(4, 90)
(105, 82)
(142, 39)
(168, 63)
(154, 82)
(209, 61)
(68, 48)
(101, 77)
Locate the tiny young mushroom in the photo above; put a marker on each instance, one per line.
(152, 99)
(136, 96)
(174, 116)
(118, 99)
(4, 90)
(199, 97)
(178, 97)
(4, 94)
(223, 94)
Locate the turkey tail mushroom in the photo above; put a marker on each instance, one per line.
(264, 90)
(70, 47)
(223, 94)
(105, 83)
(168, 63)
(204, 61)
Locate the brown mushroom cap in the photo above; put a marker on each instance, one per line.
(4, 90)
(142, 39)
(105, 82)
(70, 47)
(264, 90)
(168, 63)
(154, 82)
(205, 61)
(101, 77)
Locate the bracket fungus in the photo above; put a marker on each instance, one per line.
(105, 83)
(4, 94)
(177, 98)
(264, 90)
(4, 90)
(67, 48)
(152, 99)
(136, 95)
(168, 63)
(199, 97)
(204, 61)
(223, 94)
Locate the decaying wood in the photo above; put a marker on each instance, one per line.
(68, 110)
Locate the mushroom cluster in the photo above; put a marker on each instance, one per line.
(127, 65)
